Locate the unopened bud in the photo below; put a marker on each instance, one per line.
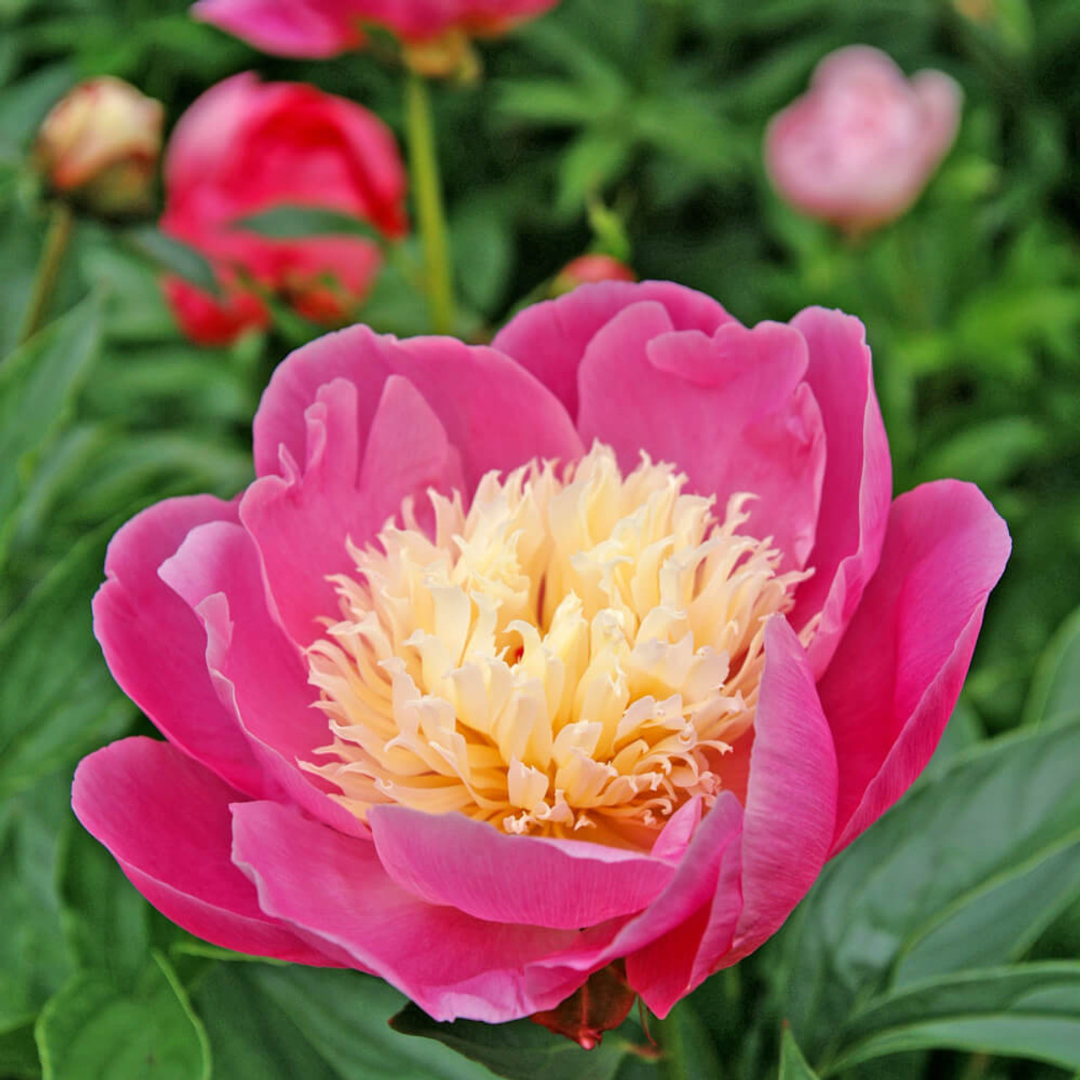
(99, 146)
(589, 269)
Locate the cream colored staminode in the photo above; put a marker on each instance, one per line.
(573, 656)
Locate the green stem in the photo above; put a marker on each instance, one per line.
(427, 186)
(57, 239)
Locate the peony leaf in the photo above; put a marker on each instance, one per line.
(1054, 697)
(932, 866)
(793, 1065)
(520, 1050)
(92, 1029)
(287, 1023)
(166, 253)
(38, 386)
(1029, 1011)
(299, 222)
(57, 699)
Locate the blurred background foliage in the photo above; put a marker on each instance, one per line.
(632, 128)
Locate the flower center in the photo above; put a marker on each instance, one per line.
(573, 655)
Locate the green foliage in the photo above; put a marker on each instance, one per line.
(948, 930)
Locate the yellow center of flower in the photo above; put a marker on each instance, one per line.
(572, 656)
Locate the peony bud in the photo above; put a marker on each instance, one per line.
(588, 270)
(99, 146)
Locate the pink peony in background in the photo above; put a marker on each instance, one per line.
(246, 147)
(319, 28)
(859, 146)
(559, 714)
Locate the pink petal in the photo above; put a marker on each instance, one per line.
(670, 966)
(166, 821)
(897, 674)
(300, 524)
(257, 672)
(285, 27)
(495, 414)
(155, 647)
(451, 964)
(857, 490)
(730, 411)
(791, 797)
(564, 884)
(550, 339)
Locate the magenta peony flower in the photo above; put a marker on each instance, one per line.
(319, 28)
(517, 661)
(859, 147)
(246, 147)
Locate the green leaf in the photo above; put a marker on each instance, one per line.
(90, 1029)
(988, 453)
(38, 385)
(521, 1050)
(19, 1055)
(793, 1065)
(298, 222)
(57, 699)
(105, 920)
(688, 1048)
(166, 253)
(33, 960)
(280, 1023)
(1030, 1011)
(998, 813)
(1055, 691)
(593, 160)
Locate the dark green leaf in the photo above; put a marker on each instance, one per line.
(1030, 1011)
(1055, 692)
(38, 384)
(33, 960)
(298, 222)
(166, 253)
(19, 1055)
(793, 1065)
(1000, 811)
(105, 919)
(280, 1023)
(90, 1029)
(688, 1048)
(519, 1051)
(57, 699)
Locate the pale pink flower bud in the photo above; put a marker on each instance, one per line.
(859, 147)
(100, 146)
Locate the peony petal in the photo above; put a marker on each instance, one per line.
(564, 884)
(495, 414)
(898, 671)
(791, 797)
(449, 963)
(166, 821)
(730, 411)
(285, 27)
(257, 672)
(155, 647)
(300, 524)
(857, 489)
(550, 339)
(671, 965)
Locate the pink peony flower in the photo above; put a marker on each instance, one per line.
(246, 147)
(858, 148)
(644, 643)
(319, 28)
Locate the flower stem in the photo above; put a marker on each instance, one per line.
(429, 203)
(57, 239)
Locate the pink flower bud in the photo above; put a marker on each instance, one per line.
(100, 146)
(859, 147)
(588, 270)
